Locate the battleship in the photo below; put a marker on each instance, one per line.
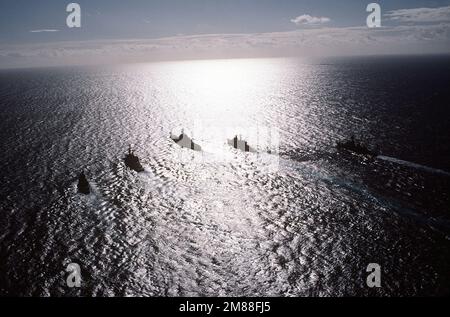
(355, 147)
(83, 185)
(185, 141)
(132, 161)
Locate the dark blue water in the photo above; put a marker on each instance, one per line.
(227, 227)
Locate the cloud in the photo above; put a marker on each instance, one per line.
(307, 20)
(43, 31)
(420, 15)
(305, 42)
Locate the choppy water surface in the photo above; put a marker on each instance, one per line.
(226, 227)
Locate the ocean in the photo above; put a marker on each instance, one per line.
(221, 222)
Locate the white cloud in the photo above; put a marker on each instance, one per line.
(420, 15)
(43, 31)
(309, 20)
(402, 39)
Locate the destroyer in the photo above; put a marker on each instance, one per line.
(240, 144)
(355, 147)
(132, 161)
(83, 185)
(185, 141)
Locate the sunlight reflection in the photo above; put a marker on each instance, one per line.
(222, 92)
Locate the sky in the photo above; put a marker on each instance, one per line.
(34, 33)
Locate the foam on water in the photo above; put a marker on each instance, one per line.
(414, 165)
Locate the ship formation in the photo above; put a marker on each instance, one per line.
(133, 162)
